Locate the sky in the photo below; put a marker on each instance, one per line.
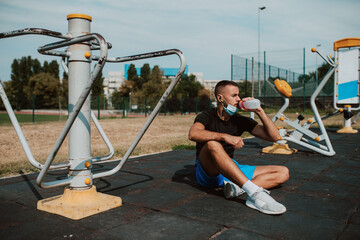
(206, 31)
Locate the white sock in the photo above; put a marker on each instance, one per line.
(250, 188)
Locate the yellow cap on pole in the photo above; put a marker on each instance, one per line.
(79, 15)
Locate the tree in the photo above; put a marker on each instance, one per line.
(242, 89)
(322, 71)
(156, 74)
(134, 78)
(36, 66)
(204, 93)
(188, 87)
(154, 88)
(189, 104)
(10, 93)
(45, 88)
(304, 78)
(173, 104)
(144, 76)
(54, 68)
(98, 87)
(203, 103)
(46, 67)
(97, 92)
(131, 73)
(126, 88)
(64, 91)
(21, 71)
(145, 73)
(118, 96)
(117, 100)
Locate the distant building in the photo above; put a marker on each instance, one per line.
(112, 83)
(199, 77)
(211, 84)
(168, 72)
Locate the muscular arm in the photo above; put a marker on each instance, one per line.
(198, 133)
(267, 130)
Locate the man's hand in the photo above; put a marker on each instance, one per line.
(256, 110)
(198, 133)
(235, 141)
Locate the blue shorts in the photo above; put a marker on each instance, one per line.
(213, 182)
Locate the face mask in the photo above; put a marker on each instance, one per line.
(230, 109)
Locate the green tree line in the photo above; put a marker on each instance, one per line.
(33, 83)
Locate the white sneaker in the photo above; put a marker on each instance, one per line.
(263, 202)
(232, 190)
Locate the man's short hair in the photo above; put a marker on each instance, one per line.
(220, 85)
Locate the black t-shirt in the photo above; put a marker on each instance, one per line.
(235, 126)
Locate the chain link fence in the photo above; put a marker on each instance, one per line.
(258, 80)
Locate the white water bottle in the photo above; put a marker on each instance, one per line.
(250, 104)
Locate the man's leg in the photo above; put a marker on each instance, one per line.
(263, 176)
(214, 161)
(270, 176)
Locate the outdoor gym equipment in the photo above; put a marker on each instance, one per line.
(80, 198)
(301, 134)
(356, 117)
(346, 84)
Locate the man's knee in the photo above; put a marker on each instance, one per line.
(213, 146)
(284, 174)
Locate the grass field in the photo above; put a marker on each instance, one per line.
(164, 134)
(28, 118)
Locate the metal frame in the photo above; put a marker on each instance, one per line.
(336, 82)
(158, 105)
(26, 147)
(346, 44)
(297, 135)
(356, 117)
(346, 105)
(96, 42)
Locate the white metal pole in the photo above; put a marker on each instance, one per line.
(317, 69)
(259, 88)
(79, 75)
(252, 115)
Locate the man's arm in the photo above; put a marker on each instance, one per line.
(267, 130)
(198, 133)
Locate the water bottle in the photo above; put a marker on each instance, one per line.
(250, 104)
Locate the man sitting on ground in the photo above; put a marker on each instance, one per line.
(217, 133)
